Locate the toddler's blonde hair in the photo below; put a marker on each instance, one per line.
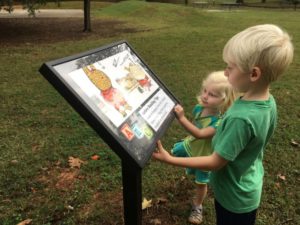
(265, 46)
(222, 86)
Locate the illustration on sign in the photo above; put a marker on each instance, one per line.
(117, 85)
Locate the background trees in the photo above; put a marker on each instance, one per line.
(32, 5)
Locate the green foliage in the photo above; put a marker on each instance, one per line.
(30, 5)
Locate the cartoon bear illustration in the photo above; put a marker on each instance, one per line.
(128, 82)
(137, 72)
(110, 94)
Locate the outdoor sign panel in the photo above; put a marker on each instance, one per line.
(118, 95)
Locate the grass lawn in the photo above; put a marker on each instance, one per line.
(40, 131)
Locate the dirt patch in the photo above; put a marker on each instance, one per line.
(18, 31)
(67, 179)
(164, 209)
(60, 178)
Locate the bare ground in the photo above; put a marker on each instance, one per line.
(18, 31)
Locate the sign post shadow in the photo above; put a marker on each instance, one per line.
(122, 99)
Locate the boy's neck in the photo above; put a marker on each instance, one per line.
(258, 93)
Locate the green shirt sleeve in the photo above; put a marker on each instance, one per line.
(232, 137)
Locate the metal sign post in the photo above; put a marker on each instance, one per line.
(132, 194)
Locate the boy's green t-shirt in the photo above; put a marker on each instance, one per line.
(241, 138)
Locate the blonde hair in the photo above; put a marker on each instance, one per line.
(223, 88)
(265, 46)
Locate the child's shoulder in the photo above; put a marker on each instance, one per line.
(254, 109)
(197, 109)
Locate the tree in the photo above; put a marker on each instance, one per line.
(295, 3)
(87, 16)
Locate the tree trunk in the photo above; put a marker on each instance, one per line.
(87, 16)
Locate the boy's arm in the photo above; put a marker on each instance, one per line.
(212, 162)
(207, 132)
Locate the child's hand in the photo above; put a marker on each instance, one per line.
(179, 111)
(160, 154)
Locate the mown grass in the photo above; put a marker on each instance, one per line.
(39, 130)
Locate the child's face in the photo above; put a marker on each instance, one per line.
(238, 79)
(210, 97)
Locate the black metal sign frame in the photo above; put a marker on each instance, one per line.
(119, 96)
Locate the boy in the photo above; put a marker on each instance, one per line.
(255, 57)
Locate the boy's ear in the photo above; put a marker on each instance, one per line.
(255, 74)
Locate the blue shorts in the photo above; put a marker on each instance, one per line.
(201, 177)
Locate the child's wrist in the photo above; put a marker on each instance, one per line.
(181, 118)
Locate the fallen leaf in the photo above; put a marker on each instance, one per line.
(35, 147)
(146, 204)
(24, 222)
(295, 143)
(45, 111)
(14, 161)
(95, 157)
(33, 190)
(70, 207)
(155, 221)
(161, 200)
(6, 201)
(281, 177)
(75, 162)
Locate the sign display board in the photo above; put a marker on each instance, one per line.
(118, 95)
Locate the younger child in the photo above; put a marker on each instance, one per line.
(255, 57)
(215, 98)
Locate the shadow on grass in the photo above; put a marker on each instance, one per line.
(19, 31)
